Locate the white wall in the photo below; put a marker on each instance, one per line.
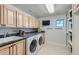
(75, 34)
(53, 35)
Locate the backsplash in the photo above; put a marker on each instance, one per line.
(7, 30)
(27, 30)
(4, 31)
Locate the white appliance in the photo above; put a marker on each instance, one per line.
(40, 41)
(31, 45)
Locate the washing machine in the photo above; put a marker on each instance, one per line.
(40, 41)
(31, 45)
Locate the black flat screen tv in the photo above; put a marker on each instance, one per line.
(46, 22)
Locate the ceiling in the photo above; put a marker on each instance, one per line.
(39, 10)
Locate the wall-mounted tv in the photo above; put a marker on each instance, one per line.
(46, 22)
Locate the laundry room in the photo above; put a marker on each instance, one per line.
(39, 29)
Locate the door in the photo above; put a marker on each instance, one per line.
(33, 22)
(30, 22)
(37, 23)
(5, 50)
(40, 41)
(9, 16)
(26, 22)
(14, 49)
(1, 15)
(20, 47)
(33, 46)
(19, 19)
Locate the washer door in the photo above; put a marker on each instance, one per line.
(33, 46)
(40, 41)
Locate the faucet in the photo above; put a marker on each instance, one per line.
(5, 34)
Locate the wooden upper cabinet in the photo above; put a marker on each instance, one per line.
(26, 22)
(9, 16)
(37, 24)
(19, 19)
(1, 15)
(33, 23)
(30, 22)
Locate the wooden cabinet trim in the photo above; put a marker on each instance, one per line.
(21, 20)
(4, 48)
(26, 21)
(22, 41)
(1, 15)
(4, 12)
(6, 20)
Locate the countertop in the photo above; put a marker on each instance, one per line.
(8, 40)
(12, 39)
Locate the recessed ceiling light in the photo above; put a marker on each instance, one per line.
(50, 8)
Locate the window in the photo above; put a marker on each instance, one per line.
(60, 23)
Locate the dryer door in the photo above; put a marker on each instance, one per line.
(33, 46)
(40, 41)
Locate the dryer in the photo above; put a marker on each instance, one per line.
(40, 41)
(31, 45)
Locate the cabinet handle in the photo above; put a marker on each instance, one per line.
(13, 44)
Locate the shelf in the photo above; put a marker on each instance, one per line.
(70, 42)
(70, 30)
(76, 10)
(69, 18)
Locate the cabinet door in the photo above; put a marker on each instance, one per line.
(33, 23)
(30, 22)
(1, 15)
(9, 16)
(20, 47)
(14, 49)
(26, 22)
(37, 24)
(19, 20)
(5, 50)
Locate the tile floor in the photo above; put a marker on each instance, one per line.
(53, 49)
